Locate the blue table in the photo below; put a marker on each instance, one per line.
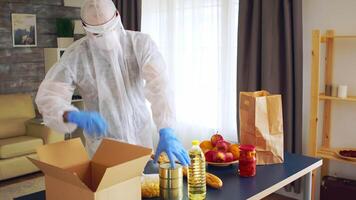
(269, 178)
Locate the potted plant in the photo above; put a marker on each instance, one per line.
(65, 32)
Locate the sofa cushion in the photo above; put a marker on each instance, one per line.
(16, 106)
(18, 146)
(12, 127)
(17, 166)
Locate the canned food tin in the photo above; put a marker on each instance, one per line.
(171, 183)
(165, 171)
(171, 194)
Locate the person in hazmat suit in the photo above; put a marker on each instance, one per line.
(115, 71)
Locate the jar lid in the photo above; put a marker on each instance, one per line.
(167, 172)
(195, 142)
(247, 147)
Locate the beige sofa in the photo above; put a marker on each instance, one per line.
(20, 135)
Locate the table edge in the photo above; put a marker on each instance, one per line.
(286, 181)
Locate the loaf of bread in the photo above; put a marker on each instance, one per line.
(213, 181)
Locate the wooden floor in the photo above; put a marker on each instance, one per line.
(39, 174)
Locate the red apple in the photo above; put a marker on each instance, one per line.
(222, 145)
(209, 155)
(215, 138)
(219, 157)
(229, 157)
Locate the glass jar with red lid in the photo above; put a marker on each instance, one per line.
(247, 161)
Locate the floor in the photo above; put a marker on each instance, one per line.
(20, 179)
(35, 182)
(277, 197)
(21, 186)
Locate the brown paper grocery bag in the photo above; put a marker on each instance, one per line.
(261, 124)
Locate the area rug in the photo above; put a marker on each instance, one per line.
(22, 188)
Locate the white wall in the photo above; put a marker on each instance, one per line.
(339, 15)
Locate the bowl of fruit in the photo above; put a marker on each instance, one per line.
(219, 152)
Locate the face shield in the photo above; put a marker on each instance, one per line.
(105, 36)
(102, 23)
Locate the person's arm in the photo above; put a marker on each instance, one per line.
(158, 90)
(54, 98)
(159, 93)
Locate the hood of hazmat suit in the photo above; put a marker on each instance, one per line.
(115, 71)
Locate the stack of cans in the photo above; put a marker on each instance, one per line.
(171, 181)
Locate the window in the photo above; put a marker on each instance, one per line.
(198, 39)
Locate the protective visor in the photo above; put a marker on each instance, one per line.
(99, 29)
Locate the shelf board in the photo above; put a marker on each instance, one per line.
(330, 154)
(349, 98)
(76, 100)
(343, 37)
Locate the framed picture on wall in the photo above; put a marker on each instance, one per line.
(24, 32)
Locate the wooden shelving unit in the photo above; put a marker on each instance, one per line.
(325, 151)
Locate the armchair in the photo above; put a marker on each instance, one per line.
(20, 135)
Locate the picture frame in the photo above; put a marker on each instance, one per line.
(24, 32)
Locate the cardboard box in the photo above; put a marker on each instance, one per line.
(113, 173)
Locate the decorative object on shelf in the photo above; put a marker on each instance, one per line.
(24, 32)
(347, 153)
(342, 91)
(328, 90)
(65, 32)
(334, 91)
(332, 154)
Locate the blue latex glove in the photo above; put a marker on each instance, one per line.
(92, 122)
(169, 143)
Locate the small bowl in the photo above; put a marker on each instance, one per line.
(337, 152)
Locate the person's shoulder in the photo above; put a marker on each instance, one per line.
(138, 37)
(78, 45)
(72, 54)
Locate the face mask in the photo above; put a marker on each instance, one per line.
(107, 41)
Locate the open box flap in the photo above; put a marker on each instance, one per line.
(112, 152)
(63, 154)
(123, 172)
(59, 173)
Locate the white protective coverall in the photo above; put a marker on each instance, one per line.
(114, 81)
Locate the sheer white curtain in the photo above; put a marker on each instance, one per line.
(198, 39)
